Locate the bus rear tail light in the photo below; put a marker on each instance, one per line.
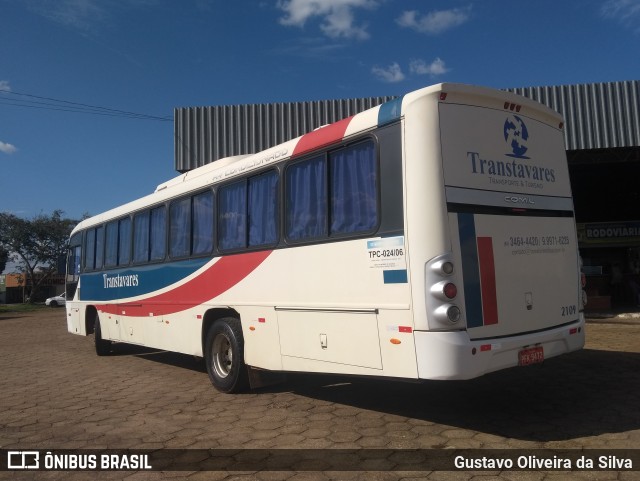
(444, 290)
(450, 290)
(443, 313)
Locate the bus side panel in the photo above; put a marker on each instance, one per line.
(74, 319)
(397, 345)
(261, 337)
(356, 343)
(339, 290)
(132, 328)
(109, 325)
(349, 338)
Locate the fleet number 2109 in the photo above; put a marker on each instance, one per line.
(569, 310)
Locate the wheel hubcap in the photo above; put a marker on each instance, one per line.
(222, 355)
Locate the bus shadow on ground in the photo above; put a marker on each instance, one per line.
(587, 393)
(183, 361)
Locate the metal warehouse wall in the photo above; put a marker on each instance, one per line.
(602, 115)
(205, 134)
(597, 116)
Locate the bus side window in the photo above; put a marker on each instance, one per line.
(180, 228)
(99, 247)
(90, 250)
(111, 245)
(306, 200)
(202, 211)
(354, 199)
(263, 209)
(141, 237)
(73, 258)
(124, 242)
(232, 216)
(158, 233)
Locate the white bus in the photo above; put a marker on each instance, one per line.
(431, 237)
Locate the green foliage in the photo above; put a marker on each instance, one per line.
(35, 244)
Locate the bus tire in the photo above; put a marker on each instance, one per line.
(103, 346)
(224, 354)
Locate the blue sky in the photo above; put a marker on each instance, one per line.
(150, 56)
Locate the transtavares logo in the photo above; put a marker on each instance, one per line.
(516, 136)
(512, 172)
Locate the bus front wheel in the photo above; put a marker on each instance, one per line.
(103, 346)
(224, 354)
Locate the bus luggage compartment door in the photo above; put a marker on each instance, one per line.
(348, 337)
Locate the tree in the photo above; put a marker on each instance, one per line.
(4, 257)
(36, 244)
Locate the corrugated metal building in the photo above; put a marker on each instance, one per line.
(598, 116)
(206, 134)
(602, 137)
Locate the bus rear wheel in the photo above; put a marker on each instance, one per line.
(224, 354)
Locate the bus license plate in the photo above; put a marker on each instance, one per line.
(530, 356)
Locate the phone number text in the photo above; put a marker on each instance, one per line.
(535, 241)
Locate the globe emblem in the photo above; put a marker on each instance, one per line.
(516, 136)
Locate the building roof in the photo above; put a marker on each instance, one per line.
(597, 116)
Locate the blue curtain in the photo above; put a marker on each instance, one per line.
(99, 246)
(111, 245)
(353, 189)
(179, 230)
(124, 252)
(90, 250)
(141, 237)
(263, 209)
(202, 223)
(158, 233)
(306, 195)
(232, 217)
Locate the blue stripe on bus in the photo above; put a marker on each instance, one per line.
(135, 281)
(390, 111)
(470, 269)
(395, 276)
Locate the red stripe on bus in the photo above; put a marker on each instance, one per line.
(488, 280)
(322, 137)
(216, 280)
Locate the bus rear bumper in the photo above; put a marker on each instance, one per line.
(452, 355)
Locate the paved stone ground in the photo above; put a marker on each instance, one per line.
(55, 393)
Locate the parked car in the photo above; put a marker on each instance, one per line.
(56, 301)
